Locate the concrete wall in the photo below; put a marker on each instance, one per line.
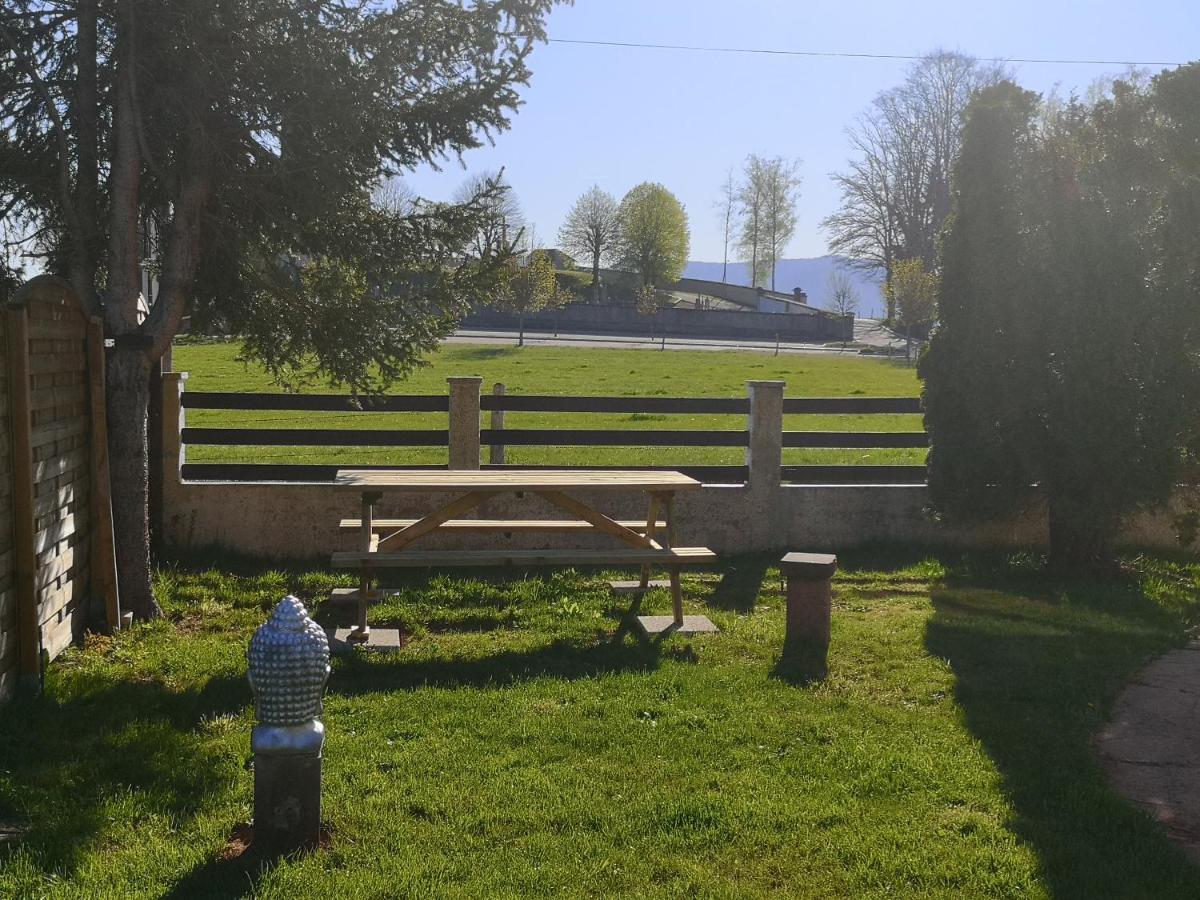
(626, 320)
(288, 520)
(751, 298)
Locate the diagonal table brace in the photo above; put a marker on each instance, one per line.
(602, 522)
(433, 521)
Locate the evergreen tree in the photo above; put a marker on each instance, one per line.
(1060, 365)
(242, 141)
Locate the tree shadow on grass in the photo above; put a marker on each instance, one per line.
(66, 762)
(366, 673)
(1034, 679)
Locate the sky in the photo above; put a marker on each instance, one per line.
(619, 116)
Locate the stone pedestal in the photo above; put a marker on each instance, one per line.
(809, 612)
(287, 802)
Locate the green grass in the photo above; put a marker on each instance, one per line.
(571, 371)
(517, 748)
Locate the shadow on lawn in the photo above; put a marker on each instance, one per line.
(741, 582)
(1035, 679)
(565, 660)
(67, 762)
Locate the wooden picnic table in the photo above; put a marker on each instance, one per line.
(641, 542)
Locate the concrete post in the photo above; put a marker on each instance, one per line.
(764, 455)
(464, 422)
(174, 452)
(809, 612)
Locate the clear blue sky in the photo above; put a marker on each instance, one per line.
(617, 116)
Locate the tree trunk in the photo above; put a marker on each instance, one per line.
(521, 331)
(1078, 542)
(596, 278)
(128, 374)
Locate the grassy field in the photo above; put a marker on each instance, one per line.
(571, 371)
(520, 746)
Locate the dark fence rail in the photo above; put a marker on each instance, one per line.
(894, 474)
(682, 405)
(315, 437)
(499, 437)
(538, 403)
(316, 402)
(850, 406)
(581, 437)
(858, 440)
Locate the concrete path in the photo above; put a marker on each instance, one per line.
(1151, 748)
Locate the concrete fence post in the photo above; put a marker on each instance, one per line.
(496, 451)
(764, 454)
(174, 452)
(464, 422)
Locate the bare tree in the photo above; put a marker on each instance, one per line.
(843, 295)
(503, 222)
(752, 203)
(394, 195)
(779, 211)
(727, 205)
(592, 229)
(896, 193)
(864, 228)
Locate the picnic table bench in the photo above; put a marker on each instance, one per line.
(384, 542)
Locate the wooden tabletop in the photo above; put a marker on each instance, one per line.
(499, 480)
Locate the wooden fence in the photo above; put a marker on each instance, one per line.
(497, 437)
(57, 571)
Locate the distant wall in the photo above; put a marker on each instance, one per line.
(625, 320)
(752, 298)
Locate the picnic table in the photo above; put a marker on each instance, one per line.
(386, 543)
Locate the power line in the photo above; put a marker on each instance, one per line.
(840, 54)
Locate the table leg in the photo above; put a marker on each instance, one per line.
(677, 597)
(651, 527)
(362, 632)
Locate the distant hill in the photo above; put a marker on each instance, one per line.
(810, 274)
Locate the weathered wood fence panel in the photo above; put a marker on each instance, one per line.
(56, 569)
(8, 596)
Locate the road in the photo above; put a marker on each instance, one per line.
(866, 332)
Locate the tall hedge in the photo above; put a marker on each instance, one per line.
(1062, 366)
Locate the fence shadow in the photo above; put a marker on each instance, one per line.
(1034, 680)
(741, 582)
(66, 761)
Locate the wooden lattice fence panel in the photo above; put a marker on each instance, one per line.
(8, 596)
(60, 539)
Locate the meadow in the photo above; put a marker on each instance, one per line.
(523, 745)
(569, 371)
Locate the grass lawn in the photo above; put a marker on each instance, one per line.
(571, 371)
(516, 749)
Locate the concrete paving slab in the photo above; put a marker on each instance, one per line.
(349, 596)
(1150, 749)
(635, 587)
(382, 640)
(664, 626)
